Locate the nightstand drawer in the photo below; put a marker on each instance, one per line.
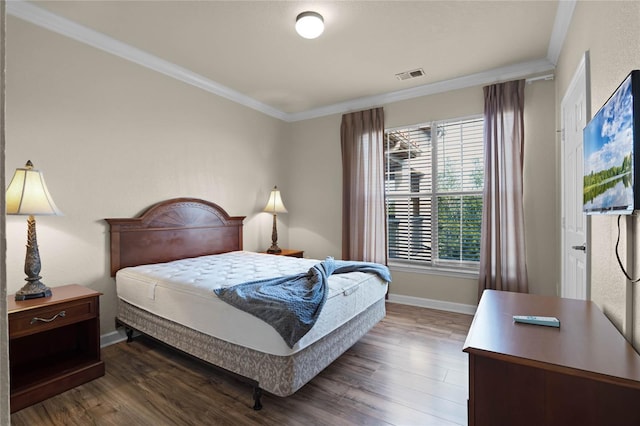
(45, 318)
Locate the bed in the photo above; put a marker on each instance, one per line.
(166, 262)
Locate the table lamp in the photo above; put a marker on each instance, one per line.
(28, 195)
(275, 205)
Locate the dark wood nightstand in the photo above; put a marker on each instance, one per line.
(54, 343)
(290, 253)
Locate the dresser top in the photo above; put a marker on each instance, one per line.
(585, 344)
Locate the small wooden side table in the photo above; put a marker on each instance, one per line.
(54, 343)
(290, 253)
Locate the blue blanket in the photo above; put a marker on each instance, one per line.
(292, 304)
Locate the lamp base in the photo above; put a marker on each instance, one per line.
(33, 291)
(274, 249)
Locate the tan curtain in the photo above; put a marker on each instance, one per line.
(502, 248)
(363, 211)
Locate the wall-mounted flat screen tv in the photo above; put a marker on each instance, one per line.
(610, 149)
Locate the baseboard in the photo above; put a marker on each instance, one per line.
(433, 304)
(113, 337)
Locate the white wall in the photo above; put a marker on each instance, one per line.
(609, 30)
(541, 189)
(113, 138)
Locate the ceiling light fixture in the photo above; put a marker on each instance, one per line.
(309, 24)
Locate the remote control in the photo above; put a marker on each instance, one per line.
(530, 319)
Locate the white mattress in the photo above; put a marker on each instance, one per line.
(182, 291)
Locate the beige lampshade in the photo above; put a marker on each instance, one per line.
(27, 194)
(275, 205)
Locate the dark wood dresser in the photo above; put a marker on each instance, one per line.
(54, 343)
(583, 373)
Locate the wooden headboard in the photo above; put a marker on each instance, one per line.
(173, 229)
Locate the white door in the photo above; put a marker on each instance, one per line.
(575, 251)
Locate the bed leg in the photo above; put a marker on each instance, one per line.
(129, 332)
(257, 393)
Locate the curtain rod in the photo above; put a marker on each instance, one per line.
(546, 77)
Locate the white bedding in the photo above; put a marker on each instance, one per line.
(182, 291)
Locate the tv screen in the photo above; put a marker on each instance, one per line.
(609, 152)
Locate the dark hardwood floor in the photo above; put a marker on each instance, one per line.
(408, 370)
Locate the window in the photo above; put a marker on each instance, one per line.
(433, 186)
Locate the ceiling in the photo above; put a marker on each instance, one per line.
(248, 51)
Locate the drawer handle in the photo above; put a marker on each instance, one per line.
(59, 314)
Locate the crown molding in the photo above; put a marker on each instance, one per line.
(48, 20)
(45, 19)
(495, 75)
(560, 29)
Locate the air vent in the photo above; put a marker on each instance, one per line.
(410, 74)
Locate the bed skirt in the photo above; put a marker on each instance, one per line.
(279, 375)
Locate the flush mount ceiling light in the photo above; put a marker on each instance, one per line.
(309, 24)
